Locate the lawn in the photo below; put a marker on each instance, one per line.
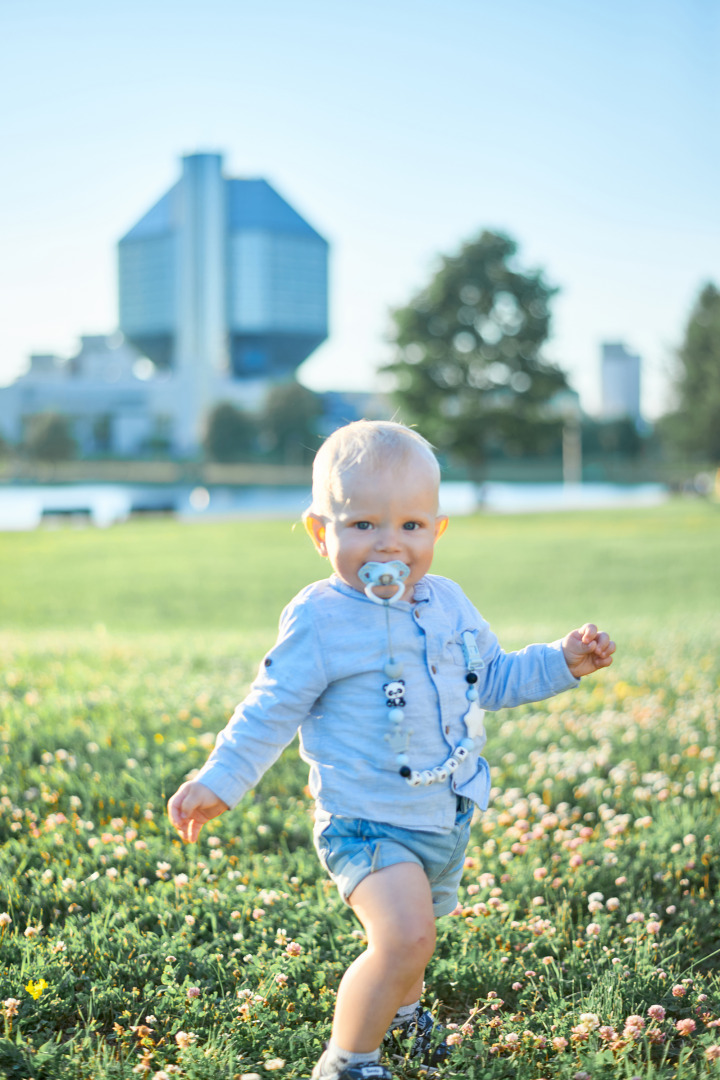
(587, 941)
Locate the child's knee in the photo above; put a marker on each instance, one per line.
(410, 942)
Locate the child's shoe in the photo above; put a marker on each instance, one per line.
(371, 1070)
(420, 1028)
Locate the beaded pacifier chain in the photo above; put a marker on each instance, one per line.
(393, 574)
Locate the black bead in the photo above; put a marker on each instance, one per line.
(405, 771)
(471, 677)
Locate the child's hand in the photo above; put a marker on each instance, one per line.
(191, 807)
(586, 650)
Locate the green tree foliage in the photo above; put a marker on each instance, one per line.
(289, 423)
(49, 438)
(611, 438)
(230, 433)
(695, 427)
(468, 368)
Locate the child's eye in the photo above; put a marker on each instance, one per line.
(363, 525)
(411, 525)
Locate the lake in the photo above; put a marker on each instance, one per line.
(24, 507)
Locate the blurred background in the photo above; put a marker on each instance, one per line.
(229, 228)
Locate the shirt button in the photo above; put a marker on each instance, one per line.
(417, 613)
(447, 729)
(433, 669)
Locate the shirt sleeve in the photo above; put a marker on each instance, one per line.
(291, 679)
(516, 678)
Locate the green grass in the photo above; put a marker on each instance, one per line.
(124, 652)
(630, 569)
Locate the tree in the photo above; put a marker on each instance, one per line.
(695, 426)
(289, 423)
(230, 433)
(468, 368)
(49, 438)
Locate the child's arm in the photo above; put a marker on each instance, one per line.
(587, 650)
(191, 807)
(290, 680)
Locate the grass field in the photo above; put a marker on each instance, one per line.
(588, 940)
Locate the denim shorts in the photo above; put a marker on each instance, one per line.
(351, 848)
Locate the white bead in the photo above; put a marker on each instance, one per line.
(414, 779)
(393, 669)
(441, 773)
(451, 764)
(460, 752)
(427, 777)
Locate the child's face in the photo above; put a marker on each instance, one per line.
(382, 515)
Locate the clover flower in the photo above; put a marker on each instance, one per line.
(607, 1033)
(185, 1039)
(656, 1012)
(685, 1027)
(293, 948)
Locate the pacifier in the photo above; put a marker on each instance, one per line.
(377, 574)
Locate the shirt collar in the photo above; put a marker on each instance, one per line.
(421, 592)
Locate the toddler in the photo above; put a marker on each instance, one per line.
(385, 670)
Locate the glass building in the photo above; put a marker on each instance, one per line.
(224, 285)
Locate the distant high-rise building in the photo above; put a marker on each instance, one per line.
(224, 285)
(620, 383)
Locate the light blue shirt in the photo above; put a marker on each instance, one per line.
(324, 678)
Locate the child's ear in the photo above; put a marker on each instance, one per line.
(316, 531)
(441, 524)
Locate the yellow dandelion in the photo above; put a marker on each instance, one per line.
(35, 989)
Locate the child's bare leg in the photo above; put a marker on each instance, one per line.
(395, 907)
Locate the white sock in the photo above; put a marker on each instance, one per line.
(404, 1013)
(335, 1059)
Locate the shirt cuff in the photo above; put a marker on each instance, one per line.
(559, 670)
(222, 783)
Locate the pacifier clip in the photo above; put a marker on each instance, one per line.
(394, 574)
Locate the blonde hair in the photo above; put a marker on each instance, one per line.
(370, 443)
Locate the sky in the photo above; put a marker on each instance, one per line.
(399, 129)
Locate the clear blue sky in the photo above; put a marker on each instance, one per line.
(588, 130)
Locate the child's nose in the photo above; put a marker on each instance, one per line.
(388, 540)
